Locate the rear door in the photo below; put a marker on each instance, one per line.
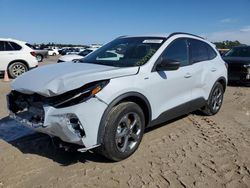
(9, 51)
(202, 58)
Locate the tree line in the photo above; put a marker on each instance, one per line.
(227, 44)
(220, 45)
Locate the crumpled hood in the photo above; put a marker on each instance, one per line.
(51, 80)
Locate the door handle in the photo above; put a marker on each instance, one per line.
(213, 69)
(10, 53)
(188, 75)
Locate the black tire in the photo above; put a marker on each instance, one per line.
(16, 69)
(215, 100)
(39, 57)
(122, 116)
(54, 54)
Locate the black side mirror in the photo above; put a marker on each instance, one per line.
(167, 64)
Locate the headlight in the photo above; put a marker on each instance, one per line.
(77, 96)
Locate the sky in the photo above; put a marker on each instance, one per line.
(99, 21)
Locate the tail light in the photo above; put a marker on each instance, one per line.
(33, 54)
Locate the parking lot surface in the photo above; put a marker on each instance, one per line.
(191, 151)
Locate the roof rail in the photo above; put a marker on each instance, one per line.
(178, 33)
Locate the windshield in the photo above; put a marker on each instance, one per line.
(238, 52)
(125, 52)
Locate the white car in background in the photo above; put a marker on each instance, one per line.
(16, 57)
(53, 52)
(75, 57)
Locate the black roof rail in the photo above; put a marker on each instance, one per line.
(179, 33)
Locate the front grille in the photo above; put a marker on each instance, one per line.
(27, 107)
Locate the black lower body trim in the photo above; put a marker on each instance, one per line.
(179, 111)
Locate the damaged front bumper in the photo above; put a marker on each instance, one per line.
(77, 124)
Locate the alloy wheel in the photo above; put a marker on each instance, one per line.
(217, 98)
(128, 132)
(18, 69)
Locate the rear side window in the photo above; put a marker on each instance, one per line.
(211, 53)
(15, 46)
(201, 51)
(11, 46)
(177, 51)
(1, 45)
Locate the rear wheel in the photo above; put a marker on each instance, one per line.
(39, 58)
(215, 100)
(16, 69)
(124, 130)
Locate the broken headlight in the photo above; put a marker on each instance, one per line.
(77, 96)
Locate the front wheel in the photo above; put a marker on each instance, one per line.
(124, 128)
(215, 100)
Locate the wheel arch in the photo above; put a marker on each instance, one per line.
(135, 97)
(18, 60)
(223, 82)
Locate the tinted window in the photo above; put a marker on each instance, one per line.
(1, 45)
(199, 51)
(211, 53)
(12, 46)
(177, 51)
(8, 47)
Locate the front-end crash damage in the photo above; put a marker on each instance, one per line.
(73, 116)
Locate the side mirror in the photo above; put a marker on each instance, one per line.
(167, 64)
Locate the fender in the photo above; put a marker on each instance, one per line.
(101, 129)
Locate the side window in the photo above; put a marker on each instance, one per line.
(177, 51)
(211, 53)
(199, 51)
(8, 47)
(1, 45)
(15, 46)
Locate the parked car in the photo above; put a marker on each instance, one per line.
(104, 103)
(75, 57)
(53, 52)
(16, 57)
(68, 51)
(40, 53)
(238, 60)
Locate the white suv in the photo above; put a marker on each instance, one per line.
(107, 102)
(16, 57)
